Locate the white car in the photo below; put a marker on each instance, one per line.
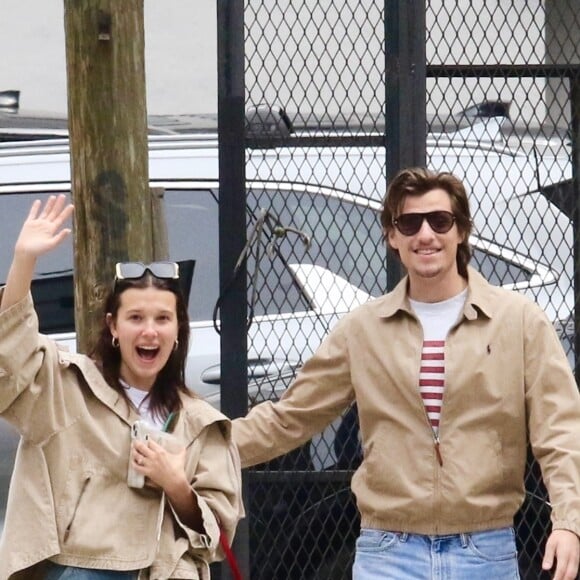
(329, 196)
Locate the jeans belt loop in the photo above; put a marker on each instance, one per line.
(464, 539)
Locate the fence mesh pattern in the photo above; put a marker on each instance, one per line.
(502, 109)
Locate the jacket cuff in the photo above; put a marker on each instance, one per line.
(569, 525)
(201, 541)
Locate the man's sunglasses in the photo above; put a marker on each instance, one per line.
(410, 223)
(136, 270)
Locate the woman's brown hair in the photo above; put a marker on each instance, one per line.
(164, 395)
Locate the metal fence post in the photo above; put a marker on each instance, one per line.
(232, 229)
(405, 95)
(575, 137)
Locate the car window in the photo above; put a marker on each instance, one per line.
(345, 237)
(193, 231)
(497, 270)
(52, 287)
(14, 208)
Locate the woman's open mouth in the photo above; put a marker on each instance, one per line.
(147, 352)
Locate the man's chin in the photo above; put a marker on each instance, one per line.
(428, 272)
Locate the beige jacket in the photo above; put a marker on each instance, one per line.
(505, 372)
(69, 500)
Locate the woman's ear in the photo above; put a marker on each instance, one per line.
(110, 321)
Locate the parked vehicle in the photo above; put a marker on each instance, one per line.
(329, 197)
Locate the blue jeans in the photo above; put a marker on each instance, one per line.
(400, 556)
(58, 572)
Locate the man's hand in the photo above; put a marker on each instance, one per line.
(564, 547)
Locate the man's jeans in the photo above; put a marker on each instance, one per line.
(488, 555)
(57, 572)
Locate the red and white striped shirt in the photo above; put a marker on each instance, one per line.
(432, 379)
(437, 319)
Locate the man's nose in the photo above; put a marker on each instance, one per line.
(425, 231)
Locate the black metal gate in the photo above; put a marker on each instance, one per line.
(320, 102)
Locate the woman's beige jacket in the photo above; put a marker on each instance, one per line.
(69, 500)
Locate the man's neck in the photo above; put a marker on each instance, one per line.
(434, 289)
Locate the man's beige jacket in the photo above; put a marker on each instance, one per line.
(69, 500)
(506, 373)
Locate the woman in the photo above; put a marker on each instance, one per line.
(71, 512)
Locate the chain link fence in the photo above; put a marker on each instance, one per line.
(503, 105)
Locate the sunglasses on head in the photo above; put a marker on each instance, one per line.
(410, 223)
(136, 270)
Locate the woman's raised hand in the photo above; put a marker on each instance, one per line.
(41, 232)
(43, 229)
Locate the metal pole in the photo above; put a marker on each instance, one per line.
(232, 230)
(405, 94)
(575, 136)
(108, 149)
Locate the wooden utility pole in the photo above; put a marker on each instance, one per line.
(107, 117)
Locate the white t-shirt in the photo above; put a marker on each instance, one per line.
(139, 398)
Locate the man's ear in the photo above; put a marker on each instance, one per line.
(389, 235)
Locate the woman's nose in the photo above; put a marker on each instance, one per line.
(150, 328)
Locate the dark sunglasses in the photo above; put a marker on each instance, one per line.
(410, 223)
(136, 270)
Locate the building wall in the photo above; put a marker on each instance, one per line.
(180, 54)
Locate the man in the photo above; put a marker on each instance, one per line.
(450, 375)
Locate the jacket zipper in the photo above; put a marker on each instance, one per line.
(437, 449)
(68, 528)
(436, 441)
(160, 516)
(434, 434)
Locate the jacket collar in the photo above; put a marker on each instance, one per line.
(480, 298)
(195, 415)
(97, 384)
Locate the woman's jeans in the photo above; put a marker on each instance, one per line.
(400, 556)
(58, 572)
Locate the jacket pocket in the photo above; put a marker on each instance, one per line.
(100, 517)
(493, 545)
(76, 507)
(376, 540)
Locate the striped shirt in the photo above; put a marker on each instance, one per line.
(437, 319)
(432, 379)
